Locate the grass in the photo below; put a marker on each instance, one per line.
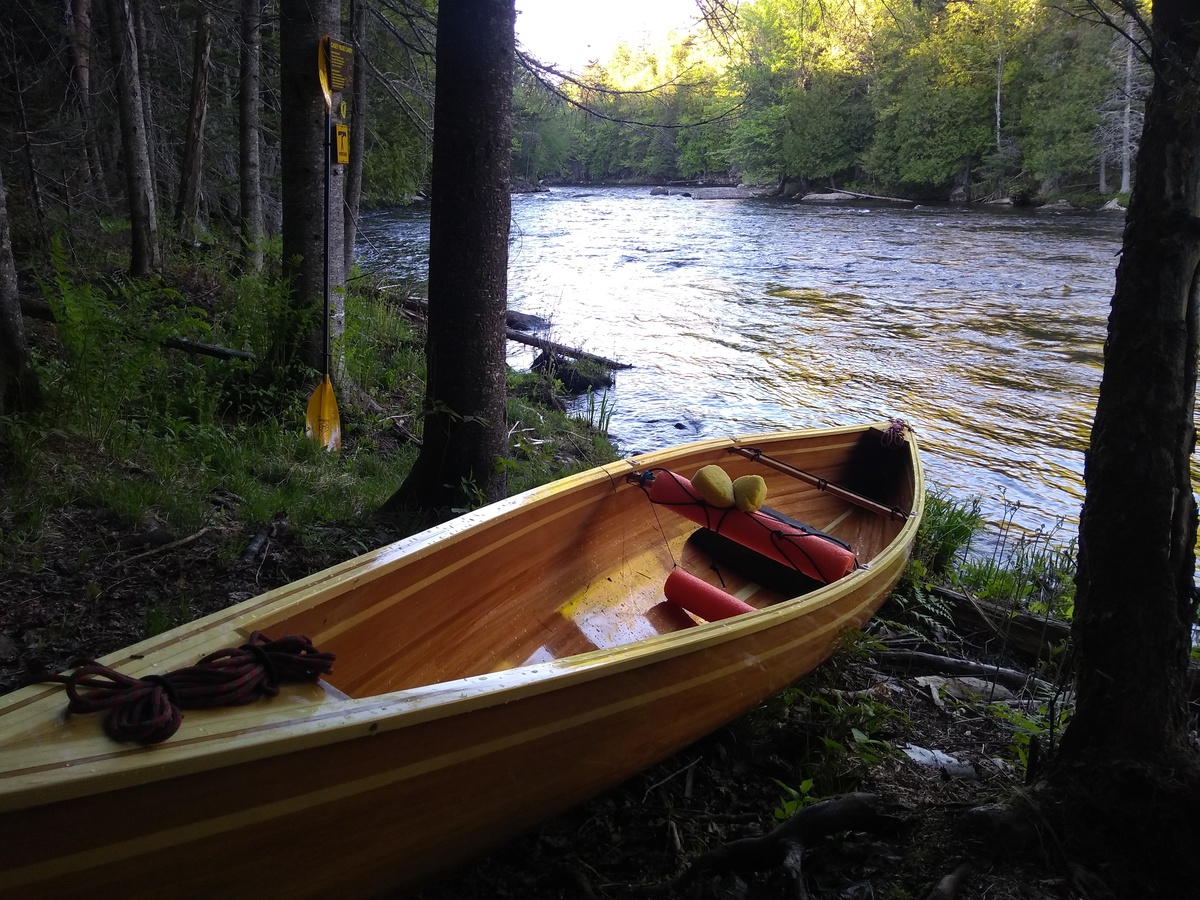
(151, 434)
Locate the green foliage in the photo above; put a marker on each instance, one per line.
(546, 443)
(1030, 570)
(112, 338)
(829, 126)
(396, 164)
(1064, 91)
(1004, 96)
(1041, 724)
(846, 734)
(794, 798)
(261, 310)
(756, 144)
(943, 541)
(1019, 569)
(598, 415)
(380, 348)
(947, 528)
(540, 132)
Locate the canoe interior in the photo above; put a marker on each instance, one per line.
(582, 569)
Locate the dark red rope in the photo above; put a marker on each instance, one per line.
(149, 710)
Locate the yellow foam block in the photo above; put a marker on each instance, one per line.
(712, 483)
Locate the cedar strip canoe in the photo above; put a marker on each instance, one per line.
(491, 672)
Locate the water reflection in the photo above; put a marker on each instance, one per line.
(983, 328)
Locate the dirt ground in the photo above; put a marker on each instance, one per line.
(96, 583)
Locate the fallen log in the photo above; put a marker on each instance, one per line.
(564, 350)
(513, 334)
(873, 196)
(187, 345)
(1030, 637)
(908, 661)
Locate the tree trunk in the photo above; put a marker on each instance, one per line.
(147, 84)
(35, 192)
(999, 98)
(304, 131)
(79, 24)
(143, 216)
(19, 390)
(249, 134)
(187, 208)
(465, 417)
(359, 21)
(1124, 763)
(1135, 602)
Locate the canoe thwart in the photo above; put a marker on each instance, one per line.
(805, 549)
(148, 710)
(821, 484)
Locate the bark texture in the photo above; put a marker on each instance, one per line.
(249, 131)
(187, 207)
(18, 379)
(360, 18)
(304, 134)
(79, 25)
(465, 416)
(1135, 601)
(135, 146)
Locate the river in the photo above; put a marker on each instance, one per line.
(983, 328)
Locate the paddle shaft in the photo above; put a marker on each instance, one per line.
(892, 512)
(328, 141)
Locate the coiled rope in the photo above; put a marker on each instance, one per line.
(148, 710)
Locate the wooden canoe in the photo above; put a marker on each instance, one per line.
(490, 673)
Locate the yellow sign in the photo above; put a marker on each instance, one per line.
(333, 67)
(340, 68)
(342, 142)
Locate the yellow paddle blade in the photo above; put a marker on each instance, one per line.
(322, 422)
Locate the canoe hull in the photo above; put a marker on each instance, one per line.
(358, 795)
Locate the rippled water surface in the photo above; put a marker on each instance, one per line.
(981, 328)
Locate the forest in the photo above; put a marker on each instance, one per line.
(165, 283)
(1001, 99)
